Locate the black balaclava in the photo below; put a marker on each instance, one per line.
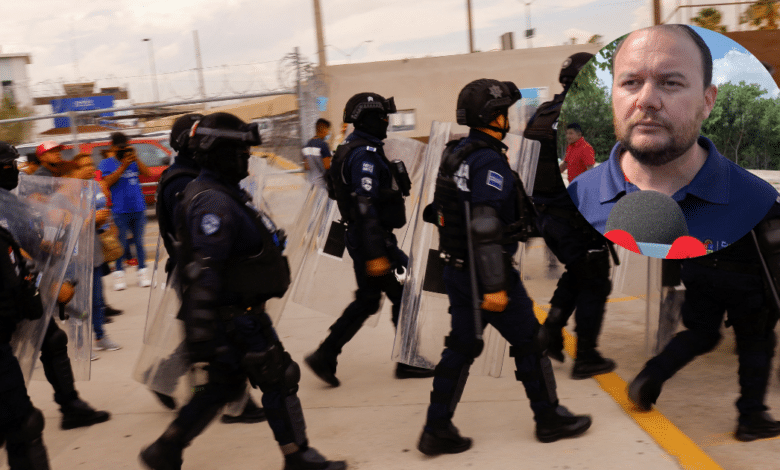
(230, 162)
(374, 122)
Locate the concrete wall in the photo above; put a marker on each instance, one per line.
(431, 85)
(14, 67)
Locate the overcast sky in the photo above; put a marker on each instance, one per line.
(243, 41)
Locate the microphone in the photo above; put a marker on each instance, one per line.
(652, 224)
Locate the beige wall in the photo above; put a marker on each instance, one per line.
(431, 85)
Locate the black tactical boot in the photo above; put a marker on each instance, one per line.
(405, 371)
(644, 390)
(558, 423)
(162, 455)
(554, 328)
(310, 459)
(443, 439)
(77, 413)
(323, 367)
(589, 363)
(110, 311)
(251, 414)
(757, 426)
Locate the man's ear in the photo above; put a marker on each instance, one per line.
(710, 95)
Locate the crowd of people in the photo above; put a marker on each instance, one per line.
(226, 257)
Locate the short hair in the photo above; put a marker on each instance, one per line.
(118, 139)
(575, 126)
(704, 50)
(322, 123)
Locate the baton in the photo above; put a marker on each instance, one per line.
(767, 274)
(473, 276)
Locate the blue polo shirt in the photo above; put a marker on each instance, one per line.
(721, 204)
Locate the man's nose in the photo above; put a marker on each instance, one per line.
(649, 97)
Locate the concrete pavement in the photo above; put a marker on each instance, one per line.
(374, 420)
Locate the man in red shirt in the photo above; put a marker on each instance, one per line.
(580, 156)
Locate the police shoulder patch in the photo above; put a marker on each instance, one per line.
(495, 180)
(210, 223)
(370, 148)
(368, 168)
(367, 183)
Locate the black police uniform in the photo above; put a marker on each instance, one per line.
(229, 244)
(727, 281)
(21, 424)
(372, 207)
(584, 286)
(485, 180)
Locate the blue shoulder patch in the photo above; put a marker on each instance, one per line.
(368, 168)
(495, 180)
(210, 223)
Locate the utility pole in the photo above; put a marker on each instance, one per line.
(199, 64)
(656, 12)
(529, 33)
(471, 31)
(298, 92)
(154, 71)
(320, 36)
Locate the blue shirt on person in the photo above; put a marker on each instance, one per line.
(721, 204)
(126, 195)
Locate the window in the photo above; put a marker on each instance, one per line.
(151, 155)
(403, 120)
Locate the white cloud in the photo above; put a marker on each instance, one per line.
(738, 66)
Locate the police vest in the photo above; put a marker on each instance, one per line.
(544, 129)
(450, 219)
(391, 208)
(255, 278)
(19, 297)
(164, 219)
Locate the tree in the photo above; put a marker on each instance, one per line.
(595, 39)
(710, 18)
(763, 14)
(17, 132)
(744, 126)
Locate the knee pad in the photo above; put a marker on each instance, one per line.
(57, 341)
(593, 265)
(538, 343)
(370, 301)
(471, 351)
(271, 369)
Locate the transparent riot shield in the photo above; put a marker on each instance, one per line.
(47, 224)
(325, 257)
(424, 319)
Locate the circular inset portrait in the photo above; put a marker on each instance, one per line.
(671, 141)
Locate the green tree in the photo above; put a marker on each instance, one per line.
(744, 126)
(764, 14)
(16, 132)
(710, 18)
(589, 104)
(595, 39)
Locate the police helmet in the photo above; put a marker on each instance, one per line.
(359, 104)
(483, 100)
(180, 131)
(8, 152)
(222, 129)
(572, 66)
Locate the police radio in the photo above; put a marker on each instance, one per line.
(401, 176)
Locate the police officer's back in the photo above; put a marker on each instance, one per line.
(231, 263)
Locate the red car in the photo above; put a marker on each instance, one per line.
(153, 150)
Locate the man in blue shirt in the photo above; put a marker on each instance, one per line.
(660, 97)
(120, 171)
(316, 153)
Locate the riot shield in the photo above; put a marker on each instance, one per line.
(325, 257)
(424, 319)
(47, 224)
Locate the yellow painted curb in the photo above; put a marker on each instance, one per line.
(275, 159)
(689, 455)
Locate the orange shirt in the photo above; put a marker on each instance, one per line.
(579, 156)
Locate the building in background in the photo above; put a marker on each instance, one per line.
(14, 81)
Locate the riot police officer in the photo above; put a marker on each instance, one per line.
(728, 280)
(231, 263)
(21, 424)
(367, 189)
(584, 286)
(479, 205)
(173, 181)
